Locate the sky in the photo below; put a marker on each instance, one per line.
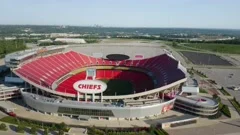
(123, 13)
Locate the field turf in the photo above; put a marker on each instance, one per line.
(120, 87)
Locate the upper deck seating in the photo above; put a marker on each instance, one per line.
(45, 70)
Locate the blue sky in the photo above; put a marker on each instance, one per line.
(123, 13)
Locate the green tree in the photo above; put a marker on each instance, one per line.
(46, 131)
(60, 132)
(3, 127)
(174, 43)
(20, 129)
(152, 129)
(62, 126)
(9, 46)
(33, 130)
(92, 130)
(53, 127)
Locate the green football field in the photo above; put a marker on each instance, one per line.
(120, 87)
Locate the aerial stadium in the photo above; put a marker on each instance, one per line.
(101, 82)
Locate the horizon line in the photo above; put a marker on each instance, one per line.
(101, 26)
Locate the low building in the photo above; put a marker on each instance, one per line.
(10, 38)
(45, 41)
(56, 35)
(71, 40)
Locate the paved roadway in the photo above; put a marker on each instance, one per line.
(222, 128)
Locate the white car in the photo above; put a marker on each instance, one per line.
(236, 88)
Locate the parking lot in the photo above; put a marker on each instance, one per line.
(225, 77)
(205, 59)
(223, 128)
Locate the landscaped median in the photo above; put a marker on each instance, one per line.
(236, 104)
(221, 107)
(23, 123)
(152, 130)
(199, 73)
(225, 111)
(224, 92)
(60, 128)
(202, 91)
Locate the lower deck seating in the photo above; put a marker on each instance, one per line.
(140, 81)
(67, 85)
(45, 70)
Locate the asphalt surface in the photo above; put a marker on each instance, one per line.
(223, 128)
(225, 77)
(205, 59)
(129, 49)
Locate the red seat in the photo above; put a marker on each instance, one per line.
(44, 71)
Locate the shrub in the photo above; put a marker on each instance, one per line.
(224, 92)
(33, 130)
(225, 110)
(3, 127)
(94, 131)
(203, 91)
(234, 99)
(60, 132)
(216, 116)
(53, 127)
(46, 131)
(20, 129)
(236, 104)
(62, 126)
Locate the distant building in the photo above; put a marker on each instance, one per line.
(37, 34)
(71, 40)
(45, 41)
(56, 35)
(10, 38)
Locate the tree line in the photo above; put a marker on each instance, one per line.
(9, 46)
(166, 38)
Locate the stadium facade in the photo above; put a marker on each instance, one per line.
(52, 75)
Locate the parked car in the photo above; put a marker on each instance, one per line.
(12, 114)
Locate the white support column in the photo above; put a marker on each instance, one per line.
(85, 96)
(93, 97)
(101, 97)
(77, 96)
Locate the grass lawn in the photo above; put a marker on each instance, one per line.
(9, 119)
(202, 91)
(235, 104)
(224, 92)
(221, 48)
(120, 87)
(180, 47)
(32, 123)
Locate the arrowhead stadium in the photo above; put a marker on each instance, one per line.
(99, 81)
